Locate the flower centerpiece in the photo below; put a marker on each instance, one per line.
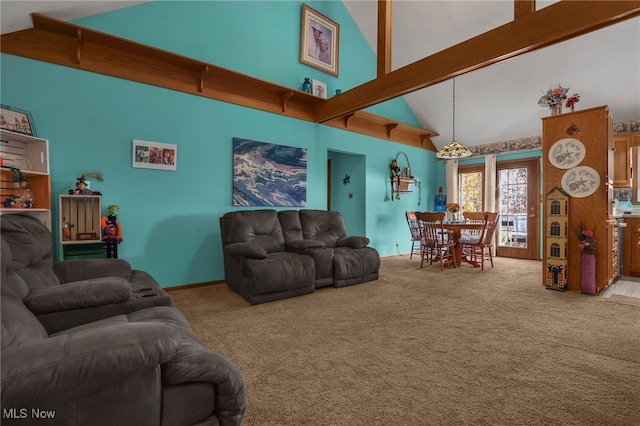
(554, 98)
(587, 240)
(453, 208)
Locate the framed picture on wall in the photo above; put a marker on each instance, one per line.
(268, 174)
(16, 120)
(319, 41)
(319, 88)
(154, 155)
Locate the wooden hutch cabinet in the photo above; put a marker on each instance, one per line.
(584, 170)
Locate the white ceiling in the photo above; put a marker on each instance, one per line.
(500, 102)
(15, 15)
(494, 104)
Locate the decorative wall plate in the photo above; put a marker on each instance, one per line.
(567, 153)
(580, 181)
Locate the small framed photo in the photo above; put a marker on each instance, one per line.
(16, 120)
(319, 41)
(154, 155)
(319, 88)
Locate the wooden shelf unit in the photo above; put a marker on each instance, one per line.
(63, 43)
(31, 156)
(405, 184)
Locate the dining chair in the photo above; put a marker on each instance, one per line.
(414, 228)
(482, 247)
(435, 242)
(472, 217)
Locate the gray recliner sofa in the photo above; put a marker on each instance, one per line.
(146, 367)
(270, 255)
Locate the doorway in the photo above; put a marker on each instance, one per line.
(518, 201)
(346, 189)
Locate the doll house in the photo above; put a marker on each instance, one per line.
(557, 241)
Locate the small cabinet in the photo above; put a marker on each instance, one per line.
(25, 174)
(80, 217)
(622, 161)
(631, 249)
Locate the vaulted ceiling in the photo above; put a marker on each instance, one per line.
(492, 104)
(499, 102)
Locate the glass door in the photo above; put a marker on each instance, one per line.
(518, 201)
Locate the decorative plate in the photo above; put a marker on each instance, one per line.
(580, 181)
(567, 153)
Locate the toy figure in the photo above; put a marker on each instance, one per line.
(82, 187)
(66, 226)
(17, 201)
(395, 169)
(111, 231)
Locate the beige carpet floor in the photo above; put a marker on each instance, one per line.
(425, 347)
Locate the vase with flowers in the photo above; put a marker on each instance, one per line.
(453, 209)
(553, 99)
(587, 260)
(572, 101)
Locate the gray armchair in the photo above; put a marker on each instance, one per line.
(340, 259)
(256, 263)
(73, 292)
(146, 367)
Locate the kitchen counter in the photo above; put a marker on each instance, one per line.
(625, 213)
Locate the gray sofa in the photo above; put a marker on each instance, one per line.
(271, 255)
(144, 367)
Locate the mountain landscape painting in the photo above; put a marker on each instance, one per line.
(267, 174)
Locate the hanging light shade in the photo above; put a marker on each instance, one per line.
(453, 149)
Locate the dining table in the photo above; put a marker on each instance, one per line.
(456, 229)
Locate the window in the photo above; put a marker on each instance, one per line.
(555, 229)
(555, 207)
(471, 188)
(555, 250)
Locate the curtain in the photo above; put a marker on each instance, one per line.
(452, 181)
(490, 183)
(490, 188)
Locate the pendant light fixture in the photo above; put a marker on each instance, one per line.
(453, 150)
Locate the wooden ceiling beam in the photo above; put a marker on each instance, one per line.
(384, 36)
(523, 8)
(551, 25)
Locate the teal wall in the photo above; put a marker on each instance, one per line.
(259, 38)
(170, 219)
